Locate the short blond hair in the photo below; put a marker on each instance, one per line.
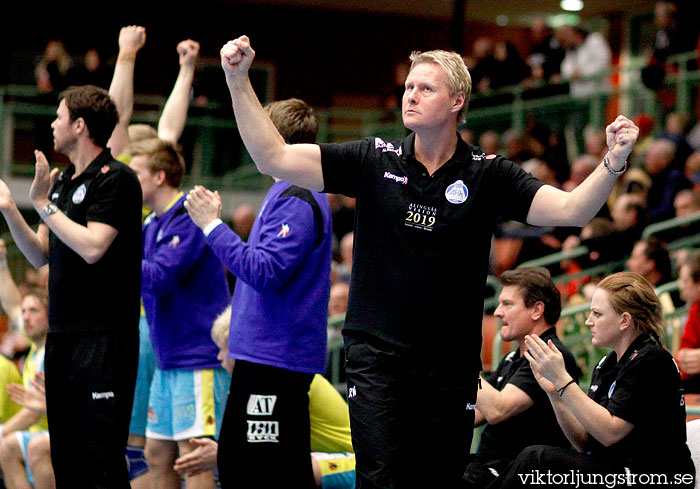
(458, 77)
(162, 156)
(139, 132)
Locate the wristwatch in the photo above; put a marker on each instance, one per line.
(50, 208)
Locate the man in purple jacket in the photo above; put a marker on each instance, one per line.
(278, 320)
(183, 289)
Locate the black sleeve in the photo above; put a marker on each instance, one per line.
(643, 387)
(113, 195)
(524, 379)
(342, 165)
(513, 189)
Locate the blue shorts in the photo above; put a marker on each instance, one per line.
(337, 469)
(147, 364)
(187, 403)
(23, 438)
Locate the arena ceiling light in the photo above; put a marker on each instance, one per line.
(572, 5)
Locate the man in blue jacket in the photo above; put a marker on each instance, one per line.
(183, 289)
(278, 320)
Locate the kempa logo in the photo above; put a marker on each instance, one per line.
(102, 395)
(263, 431)
(261, 405)
(396, 178)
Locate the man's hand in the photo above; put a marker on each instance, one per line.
(44, 178)
(188, 51)
(131, 39)
(202, 458)
(621, 134)
(236, 57)
(3, 249)
(203, 206)
(27, 398)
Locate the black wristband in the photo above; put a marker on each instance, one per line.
(561, 391)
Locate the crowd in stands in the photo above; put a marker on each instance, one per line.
(662, 183)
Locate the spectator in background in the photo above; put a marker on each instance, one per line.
(688, 355)
(692, 170)
(686, 202)
(509, 67)
(616, 242)
(646, 137)
(338, 301)
(587, 61)
(466, 134)
(482, 64)
(345, 265)
(546, 53)
(594, 142)
(91, 70)
(671, 37)
(541, 170)
(52, 69)
(580, 169)
(650, 259)
(337, 304)
(515, 146)
(676, 131)
(242, 220)
(343, 210)
(392, 101)
(490, 142)
(666, 180)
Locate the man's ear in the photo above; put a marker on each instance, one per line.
(537, 310)
(79, 125)
(160, 177)
(459, 102)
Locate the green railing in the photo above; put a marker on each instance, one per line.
(216, 156)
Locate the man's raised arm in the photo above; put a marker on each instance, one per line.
(172, 120)
(298, 163)
(554, 207)
(131, 40)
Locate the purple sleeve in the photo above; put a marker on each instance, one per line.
(177, 251)
(286, 236)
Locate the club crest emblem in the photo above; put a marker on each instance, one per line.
(79, 194)
(457, 193)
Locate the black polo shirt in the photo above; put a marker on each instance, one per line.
(643, 388)
(537, 425)
(104, 296)
(422, 243)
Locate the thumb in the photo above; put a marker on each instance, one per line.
(53, 175)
